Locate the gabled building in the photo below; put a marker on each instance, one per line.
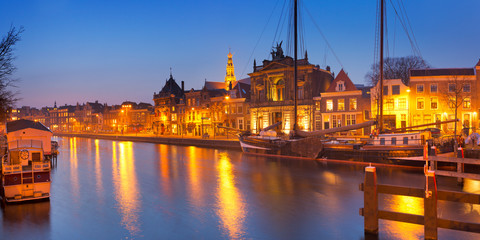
(342, 104)
(273, 91)
(169, 108)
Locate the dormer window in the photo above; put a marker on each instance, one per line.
(340, 86)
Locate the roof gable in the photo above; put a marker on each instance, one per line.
(274, 65)
(214, 85)
(170, 87)
(24, 124)
(347, 83)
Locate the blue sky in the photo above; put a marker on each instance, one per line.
(112, 51)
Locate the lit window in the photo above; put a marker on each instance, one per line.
(420, 103)
(351, 119)
(390, 103)
(341, 104)
(419, 88)
(467, 103)
(434, 103)
(402, 103)
(330, 105)
(353, 104)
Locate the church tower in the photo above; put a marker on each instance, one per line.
(230, 77)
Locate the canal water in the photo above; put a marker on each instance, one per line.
(105, 189)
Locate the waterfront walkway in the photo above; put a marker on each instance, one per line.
(230, 142)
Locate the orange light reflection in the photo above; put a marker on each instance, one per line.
(231, 206)
(98, 170)
(404, 204)
(74, 169)
(196, 191)
(125, 185)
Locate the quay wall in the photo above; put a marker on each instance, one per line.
(198, 142)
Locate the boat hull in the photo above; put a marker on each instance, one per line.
(15, 189)
(303, 147)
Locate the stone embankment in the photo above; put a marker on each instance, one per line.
(223, 143)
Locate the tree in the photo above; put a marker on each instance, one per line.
(7, 96)
(396, 68)
(457, 93)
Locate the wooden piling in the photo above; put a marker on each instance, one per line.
(370, 199)
(430, 206)
(460, 165)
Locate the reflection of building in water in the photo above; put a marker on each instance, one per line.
(472, 186)
(230, 207)
(125, 186)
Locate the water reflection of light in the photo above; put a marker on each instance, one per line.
(471, 186)
(330, 177)
(404, 204)
(98, 170)
(196, 191)
(74, 169)
(125, 184)
(231, 206)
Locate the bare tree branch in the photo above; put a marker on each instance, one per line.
(396, 68)
(7, 68)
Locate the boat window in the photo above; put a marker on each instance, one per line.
(405, 140)
(394, 141)
(36, 157)
(382, 141)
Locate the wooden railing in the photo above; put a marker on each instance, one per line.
(430, 195)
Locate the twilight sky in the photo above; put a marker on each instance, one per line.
(112, 51)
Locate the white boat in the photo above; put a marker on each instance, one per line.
(25, 173)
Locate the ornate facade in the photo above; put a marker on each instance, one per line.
(272, 92)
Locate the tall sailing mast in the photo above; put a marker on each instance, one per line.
(295, 65)
(380, 101)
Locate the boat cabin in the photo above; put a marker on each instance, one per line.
(26, 133)
(402, 139)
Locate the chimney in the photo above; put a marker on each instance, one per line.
(183, 86)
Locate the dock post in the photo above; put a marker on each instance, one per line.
(460, 165)
(370, 201)
(433, 164)
(430, 206)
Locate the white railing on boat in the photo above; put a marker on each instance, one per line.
(41, 166)
(12, 168)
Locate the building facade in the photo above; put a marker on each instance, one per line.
(396, 103)
(445, 94)
(273, 91)
(342, 104)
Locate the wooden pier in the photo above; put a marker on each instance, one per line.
(460, 164)
(430, 195)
